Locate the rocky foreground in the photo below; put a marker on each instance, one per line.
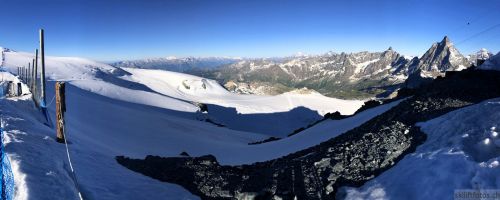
(347, 160)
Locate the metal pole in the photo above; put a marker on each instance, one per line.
(28, 79)
(36, 78)
(42, 73)
(32, 83)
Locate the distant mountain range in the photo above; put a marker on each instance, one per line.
(178, 64)
(345, 75)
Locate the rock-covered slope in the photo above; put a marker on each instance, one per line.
(461, 150)
(347, 160)
(332, 74)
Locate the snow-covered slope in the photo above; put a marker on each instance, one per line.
(100, 128)
(96, 77)
(202, 90)
(112, 82)
(135, 113)
(461, 152)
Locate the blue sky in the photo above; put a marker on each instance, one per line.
(109, 30)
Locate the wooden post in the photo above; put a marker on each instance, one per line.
(11, 89)
(42, 73)
(60, 109)
(19, 89)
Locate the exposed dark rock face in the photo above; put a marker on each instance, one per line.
(369, 104)
(347, 160)
(270, 139)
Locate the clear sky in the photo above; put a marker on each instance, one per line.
(109, 30)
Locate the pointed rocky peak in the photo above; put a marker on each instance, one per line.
(441, 57)
(390, 54)
(446, 40)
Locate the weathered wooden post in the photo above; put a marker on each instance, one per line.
(42, 73)
(19, 89)
(60, 109)
(11, 89)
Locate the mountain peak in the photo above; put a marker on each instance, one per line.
(446, 40)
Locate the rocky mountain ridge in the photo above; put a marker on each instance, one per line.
(348, 75)
(342, 75)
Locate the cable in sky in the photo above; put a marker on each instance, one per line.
(478, 34)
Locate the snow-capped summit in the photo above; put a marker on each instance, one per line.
(173, 63)
(493, 63)
(482, 54)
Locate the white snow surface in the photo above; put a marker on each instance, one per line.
(462, 151)
(193, 88)
(95, 77)
(135, 113)
(100, 128)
